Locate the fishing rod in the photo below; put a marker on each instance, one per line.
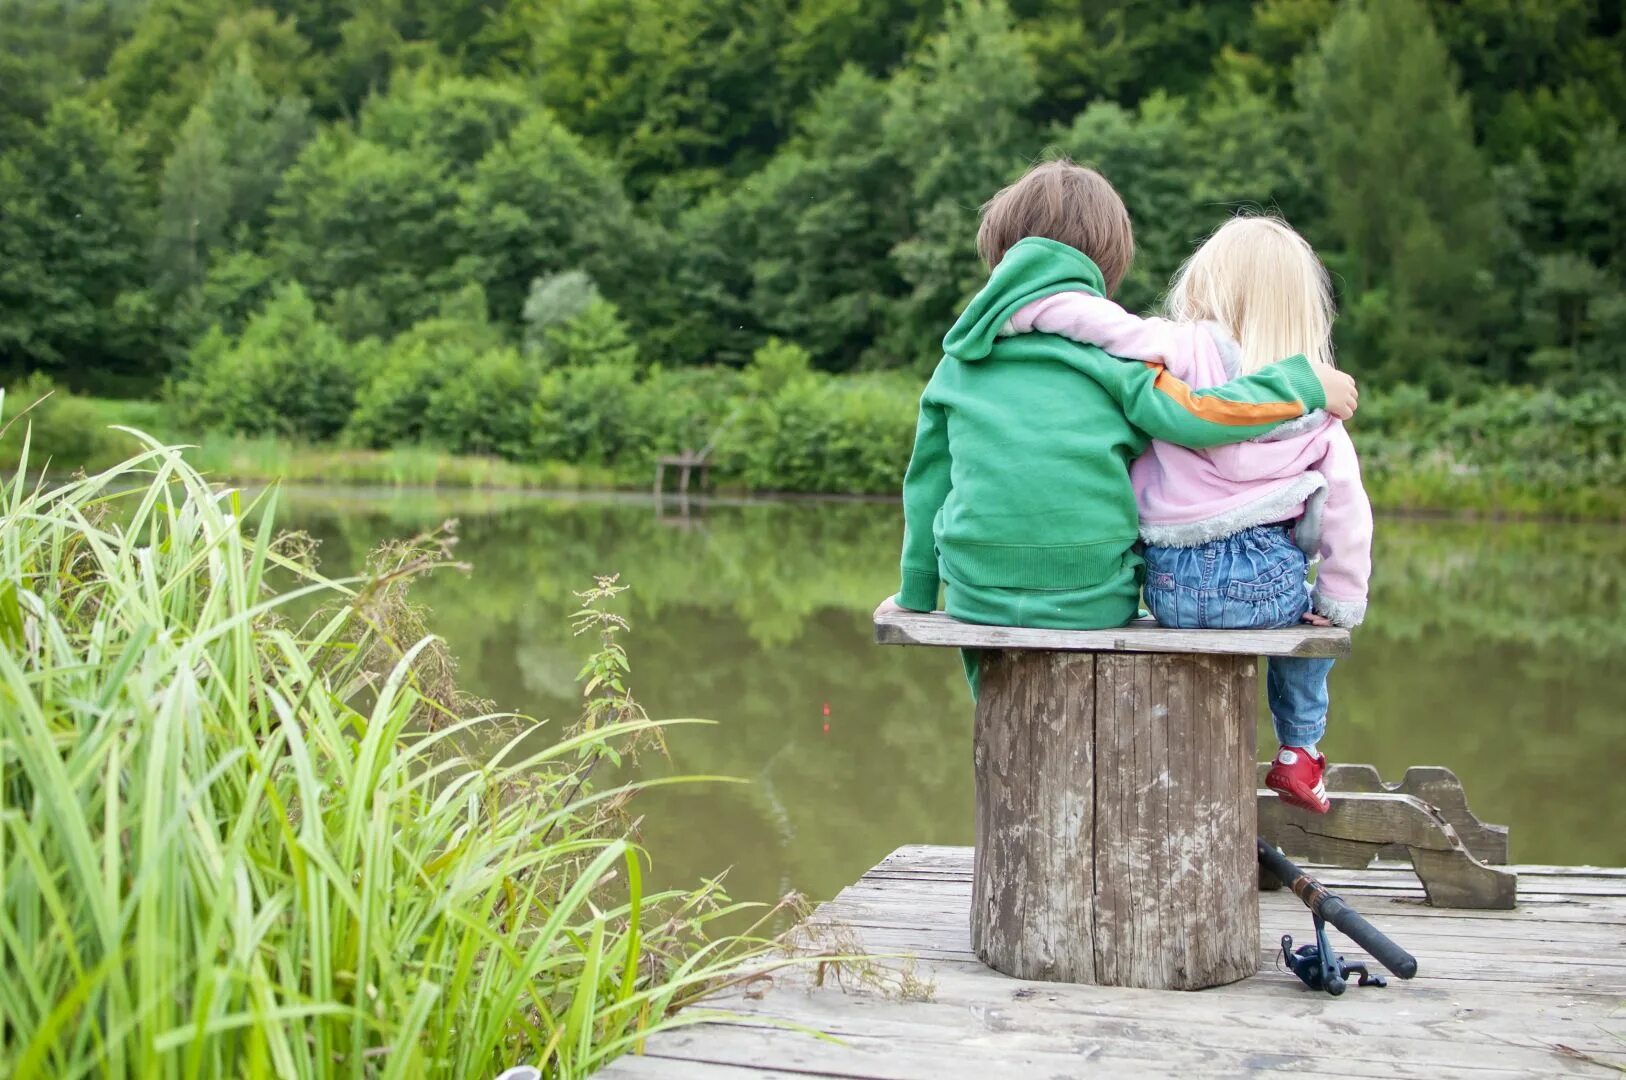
(1317, 965)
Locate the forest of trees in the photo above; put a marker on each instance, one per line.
(370, 221)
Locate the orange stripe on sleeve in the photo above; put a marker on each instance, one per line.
(1220, 411)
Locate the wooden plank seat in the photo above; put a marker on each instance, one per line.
(1142, 636)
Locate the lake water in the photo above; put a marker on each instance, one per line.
(1496, 649)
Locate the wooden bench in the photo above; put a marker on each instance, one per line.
(1116, 805)
(1424, 819)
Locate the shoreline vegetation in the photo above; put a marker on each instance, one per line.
(1516, 454)
(252, 826)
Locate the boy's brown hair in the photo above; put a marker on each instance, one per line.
(1066, 203)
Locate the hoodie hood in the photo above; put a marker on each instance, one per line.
(1031, 270)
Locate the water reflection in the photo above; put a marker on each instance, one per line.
(1495, 649)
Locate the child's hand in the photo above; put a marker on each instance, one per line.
(1342, 394)
(888, 606)
(1316, 620)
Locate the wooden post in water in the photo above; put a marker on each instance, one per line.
(1115, 797)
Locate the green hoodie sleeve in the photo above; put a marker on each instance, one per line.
(925, 486)
(1165, 408)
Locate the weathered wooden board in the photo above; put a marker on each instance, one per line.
(1536, 991)
(1435, 785)
(1360, 826)
(1145, 636)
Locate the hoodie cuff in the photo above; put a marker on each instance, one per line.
(919, 590)
(1345, 613)
(1302, 378)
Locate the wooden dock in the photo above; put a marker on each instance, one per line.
(1534, 992)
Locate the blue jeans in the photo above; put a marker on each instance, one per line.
(1253, 580)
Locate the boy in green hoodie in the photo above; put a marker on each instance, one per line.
(1017, 502)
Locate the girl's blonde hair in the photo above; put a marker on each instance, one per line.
(1260, 280)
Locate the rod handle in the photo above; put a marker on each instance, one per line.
(1369, 937)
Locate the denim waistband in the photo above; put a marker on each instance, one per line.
(1279, 534)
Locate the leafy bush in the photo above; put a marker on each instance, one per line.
(595, 336)
(689, 408)
(392, 409)
(598, 415)
(554, 300)
(289, 374)
(483, 404)
(236, 848)
(397, 404)
(67, 431)
(819, 434)
(775, 366)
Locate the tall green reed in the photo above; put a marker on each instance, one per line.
(239, 839)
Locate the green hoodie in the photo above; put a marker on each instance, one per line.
(1020, 473)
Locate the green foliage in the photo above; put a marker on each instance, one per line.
(595, 337)
(425, 385)
(726, 173)
(62, 430)
(359, 217)
(482, 405)
(937, 127)
(826, 434)
(1108, 49)
(556, 299)
(776, 366)
(645, 80)
(456, 121)
(48, 48)
(1408, 198)
(597, 415)
(1511, 451)
(176, 47)
(238, 842)
(826, 213)
(288, 374)
(219, 179)
(538, 204)
(74, 237)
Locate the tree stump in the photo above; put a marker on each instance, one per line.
(1115, 798)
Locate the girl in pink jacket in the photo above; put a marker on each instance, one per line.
(1230, 532)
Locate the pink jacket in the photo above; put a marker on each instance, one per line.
(1305, 470)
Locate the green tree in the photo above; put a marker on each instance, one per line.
(289, 374)
(456, 120)
(164, 67)
(681, 91)
(1408, 197)
(827, 212)
(596, 337)
(955, 124)
(1183, 166)
(1087, 50)
(400, 402)
(540, 203)
(74, 233)
(218, 182)
(353, 215)
(553, 300)
(49, 49)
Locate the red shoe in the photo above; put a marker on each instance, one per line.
(1297, 778)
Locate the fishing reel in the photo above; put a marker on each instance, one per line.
(1319, 968)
